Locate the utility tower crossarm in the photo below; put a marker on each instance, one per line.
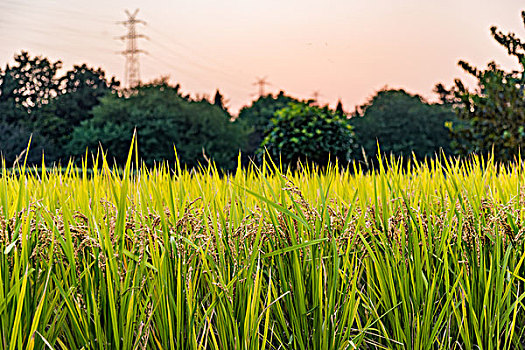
(132, 68)
(261, 82)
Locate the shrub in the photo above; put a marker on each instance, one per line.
(304, 132)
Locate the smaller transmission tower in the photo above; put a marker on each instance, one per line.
(132, 69)
(315, 96)
(261, 82)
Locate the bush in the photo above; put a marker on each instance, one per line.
(303, 132)
(258, 118)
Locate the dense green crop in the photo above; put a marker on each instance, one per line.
(422, 258)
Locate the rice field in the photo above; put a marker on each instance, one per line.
(428, 256)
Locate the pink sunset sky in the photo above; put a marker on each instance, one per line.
(343, 49)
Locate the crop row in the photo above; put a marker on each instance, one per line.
(419, 257)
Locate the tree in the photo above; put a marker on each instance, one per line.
(304, 132)
(80, 90)
(25, 88)
(258, 118)
(218, 100)
(163, 119)
(14, 139)
(402, 123)
(38, 102)
(446, 96)
(30, 83)
(493, 115)
(339, 108)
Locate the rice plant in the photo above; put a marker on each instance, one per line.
(424, 256)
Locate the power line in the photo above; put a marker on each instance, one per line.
(33, 9)
(190, 61)
(195, 54)
(188, 73)
(132, 69)
(190, 56)
(172, 66)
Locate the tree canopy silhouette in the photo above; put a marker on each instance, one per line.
(493, 115)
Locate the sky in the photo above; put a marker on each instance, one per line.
(337, 49)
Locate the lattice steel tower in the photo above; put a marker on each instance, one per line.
(261, 82)
(132, 75)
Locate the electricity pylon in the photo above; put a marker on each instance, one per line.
(261, 82)
(132, 69)
(315, 95)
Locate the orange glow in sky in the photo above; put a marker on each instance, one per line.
(344, 49)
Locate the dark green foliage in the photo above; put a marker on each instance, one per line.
(339, 108)
(25, 88)
(14, 139)
(10, 112)
(258, 118)
(219, 101)
(446, 96)
(493, 116)
(33, 100)
(402, 123)
(163, 119)
(30, 83)
(80, 90)
(303, 132)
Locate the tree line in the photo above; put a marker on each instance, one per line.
(83, 109)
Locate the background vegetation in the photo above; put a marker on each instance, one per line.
(84, 109)
(164, 119)
(301, 132)
(402, 124)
